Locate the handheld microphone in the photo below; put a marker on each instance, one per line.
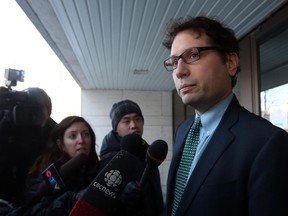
(55, 180)
(156, 154)
(103, 194)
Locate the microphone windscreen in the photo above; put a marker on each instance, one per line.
(55, 177)
(73, 165)
(132, 143)
(156, 153)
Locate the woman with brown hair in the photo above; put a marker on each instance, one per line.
(72, 138)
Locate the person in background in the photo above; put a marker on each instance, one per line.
(24, 135)
(240, 165)
(72, 137)
(41, 98)
(127, 118)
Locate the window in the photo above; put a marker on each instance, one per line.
(273, 76)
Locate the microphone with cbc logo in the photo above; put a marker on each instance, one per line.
(102, 197)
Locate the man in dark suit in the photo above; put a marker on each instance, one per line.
(240, 165)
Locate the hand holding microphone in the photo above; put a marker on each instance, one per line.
(155, 155)
(134, 190)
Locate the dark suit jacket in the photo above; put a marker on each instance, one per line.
(243, 170)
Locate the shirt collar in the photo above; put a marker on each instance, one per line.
(211, 118)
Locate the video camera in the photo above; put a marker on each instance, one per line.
(12, 76)
(18, 108)
(21, 121)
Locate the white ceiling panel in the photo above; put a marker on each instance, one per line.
(102, 42)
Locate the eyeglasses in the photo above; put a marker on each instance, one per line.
(189, 56)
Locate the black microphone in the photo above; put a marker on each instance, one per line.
(134, 192)
(156, 154)
(55, 178)
(103, 194)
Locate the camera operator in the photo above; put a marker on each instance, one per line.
(22, 137)
(41, 98)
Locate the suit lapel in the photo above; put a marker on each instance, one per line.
(213, 151)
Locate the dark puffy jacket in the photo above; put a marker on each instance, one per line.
(152, 202)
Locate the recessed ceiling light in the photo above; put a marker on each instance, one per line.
(141, 71)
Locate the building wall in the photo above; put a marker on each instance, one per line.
(156, 108)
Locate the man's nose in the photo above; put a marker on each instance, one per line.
(133, 124)
(181, 69)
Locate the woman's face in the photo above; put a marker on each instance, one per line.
(77, 140)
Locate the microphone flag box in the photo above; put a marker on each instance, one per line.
(53, 178)
(105, 190)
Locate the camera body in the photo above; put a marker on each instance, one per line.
(18, 108)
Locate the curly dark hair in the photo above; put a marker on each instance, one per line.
(220, 36)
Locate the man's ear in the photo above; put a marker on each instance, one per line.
(232, 63)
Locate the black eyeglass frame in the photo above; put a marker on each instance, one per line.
(197, 50)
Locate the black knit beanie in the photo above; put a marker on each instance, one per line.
(123, 108)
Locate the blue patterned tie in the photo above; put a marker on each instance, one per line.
(186, 161)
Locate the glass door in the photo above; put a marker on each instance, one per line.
(273, 79)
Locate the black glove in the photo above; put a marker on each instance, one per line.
(132, 194)
(62, 205)
(78, 195)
